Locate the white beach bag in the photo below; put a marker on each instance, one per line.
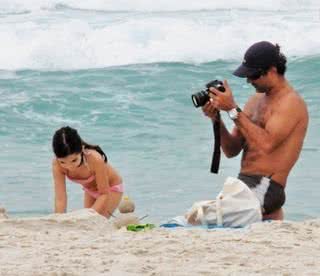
(235, 206)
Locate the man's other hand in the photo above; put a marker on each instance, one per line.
(210, 111)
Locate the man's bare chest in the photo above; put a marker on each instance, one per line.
(261, 113)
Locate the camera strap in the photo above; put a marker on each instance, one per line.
(215, 163)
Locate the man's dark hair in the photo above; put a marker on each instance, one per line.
(281, 63)
(259, 58)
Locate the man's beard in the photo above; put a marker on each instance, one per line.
(261, 88)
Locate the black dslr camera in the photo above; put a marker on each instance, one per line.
(202, 97)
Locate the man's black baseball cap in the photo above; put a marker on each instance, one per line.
(259, 57)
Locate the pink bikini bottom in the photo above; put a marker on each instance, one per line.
(115, 188)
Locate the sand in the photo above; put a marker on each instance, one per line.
(84, 243)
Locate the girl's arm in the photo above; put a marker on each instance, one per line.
(59, 188)
(102, 180)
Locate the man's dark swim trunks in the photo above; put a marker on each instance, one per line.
(270, 193)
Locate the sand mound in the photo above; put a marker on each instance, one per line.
(83, 220)
(3, 213)
(85, 243)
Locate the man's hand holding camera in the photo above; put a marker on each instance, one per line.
(210, 111)
(222, 100)
(218, 101)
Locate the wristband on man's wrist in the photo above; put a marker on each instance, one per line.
(234, 113)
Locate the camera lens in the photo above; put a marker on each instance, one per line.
(200, 98)
(195, 100)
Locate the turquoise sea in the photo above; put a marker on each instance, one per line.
(122, 73)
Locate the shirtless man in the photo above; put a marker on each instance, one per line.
(270, 129)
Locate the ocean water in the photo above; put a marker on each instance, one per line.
(122, 73)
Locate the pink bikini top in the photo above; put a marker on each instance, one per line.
(82, 181)
(86, 181)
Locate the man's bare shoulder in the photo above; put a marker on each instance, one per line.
(293, 102)
(292, 106)
(298, 98)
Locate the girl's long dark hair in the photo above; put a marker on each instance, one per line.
(66, 141)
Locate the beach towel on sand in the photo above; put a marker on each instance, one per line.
(235, 206)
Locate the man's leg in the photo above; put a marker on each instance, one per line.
(276, 215)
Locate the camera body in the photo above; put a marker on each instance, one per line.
(202, 97)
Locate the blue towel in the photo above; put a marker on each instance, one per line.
(175, 225)
(181, 221)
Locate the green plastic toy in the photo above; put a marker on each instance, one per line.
(140, 227)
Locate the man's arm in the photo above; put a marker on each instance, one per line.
(278, 127)
(231, 142)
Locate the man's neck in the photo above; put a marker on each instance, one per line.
(279, 88)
